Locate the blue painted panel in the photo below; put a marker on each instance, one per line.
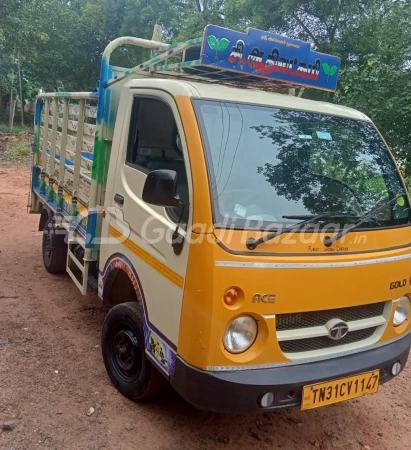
(269, 56)
(91, 229)
(35, 178)
(86, 155)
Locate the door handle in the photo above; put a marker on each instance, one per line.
(119, 199)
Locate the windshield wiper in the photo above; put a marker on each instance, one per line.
(254, 243)
(330, 240)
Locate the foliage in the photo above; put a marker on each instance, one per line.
(18, 148)
(61, 43)
(15, 149)
(17, 129)
(194, 15)
(379, 83)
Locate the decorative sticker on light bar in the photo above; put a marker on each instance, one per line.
(269, 56)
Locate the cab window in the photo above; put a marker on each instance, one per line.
(154, 143)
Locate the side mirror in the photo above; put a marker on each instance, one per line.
(160, 188)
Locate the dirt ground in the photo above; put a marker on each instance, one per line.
(52, 373)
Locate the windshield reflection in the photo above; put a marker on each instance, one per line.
(266, 163)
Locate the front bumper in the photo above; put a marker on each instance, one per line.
(240, 391)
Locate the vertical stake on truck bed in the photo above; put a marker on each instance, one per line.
(63, 142)
(79, 144)
(55, 112)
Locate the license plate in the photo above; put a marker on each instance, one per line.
(322, 394)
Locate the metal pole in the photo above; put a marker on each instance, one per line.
(21, 90)
(11, 111)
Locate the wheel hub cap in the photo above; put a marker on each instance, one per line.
(127, 353)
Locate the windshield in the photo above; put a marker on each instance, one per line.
(271, 165)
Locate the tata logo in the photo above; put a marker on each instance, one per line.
(264, 298)
(337, 329)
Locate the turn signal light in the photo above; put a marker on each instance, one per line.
(232, 296)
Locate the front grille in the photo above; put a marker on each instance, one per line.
(318, 343)
(318, 318)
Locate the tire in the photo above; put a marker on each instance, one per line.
(124, 356)
(54, 248)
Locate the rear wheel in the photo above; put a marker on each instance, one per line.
(54, 248)
(124, 354)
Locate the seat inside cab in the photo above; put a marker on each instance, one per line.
(154, 143)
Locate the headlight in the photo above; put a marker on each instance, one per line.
(241, 334)
(402, 311)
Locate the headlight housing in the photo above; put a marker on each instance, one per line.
(241, 334)
(402, 311)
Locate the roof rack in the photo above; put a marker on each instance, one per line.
(256, 58)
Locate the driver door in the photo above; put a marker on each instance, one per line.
(154, 139)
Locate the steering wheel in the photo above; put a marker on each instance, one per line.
(355, 205)
(340, 182)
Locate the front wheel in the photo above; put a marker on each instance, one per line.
(122, 343)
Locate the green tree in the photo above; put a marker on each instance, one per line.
(372, 38)
(378, 81)
(196, 14)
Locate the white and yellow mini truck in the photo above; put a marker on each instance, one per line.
(253, 247)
